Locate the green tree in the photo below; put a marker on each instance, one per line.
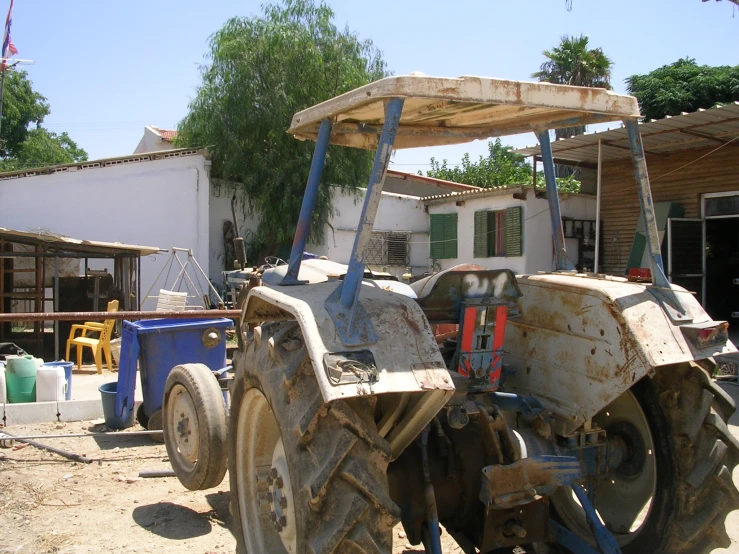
(42, 147)
(23, 142)
(501, 168)
(260, 71)
(572, 62)
(683, 86)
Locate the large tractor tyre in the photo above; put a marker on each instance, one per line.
(306, 476)
(674, 489)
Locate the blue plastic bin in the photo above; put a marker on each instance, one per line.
(159, 345)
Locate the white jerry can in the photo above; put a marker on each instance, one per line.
(51, 384)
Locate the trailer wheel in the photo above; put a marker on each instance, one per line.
(194, 425)
(674, 489)
(155, 424)
(306, 476)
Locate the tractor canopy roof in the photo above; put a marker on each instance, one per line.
(443, 110)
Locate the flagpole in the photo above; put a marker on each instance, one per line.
(2, 97)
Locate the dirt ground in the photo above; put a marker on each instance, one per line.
(51, 505)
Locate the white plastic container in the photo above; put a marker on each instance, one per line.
(3, 386)
(51, 384)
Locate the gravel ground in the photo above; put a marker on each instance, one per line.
(51, 505)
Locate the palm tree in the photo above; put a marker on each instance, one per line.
(571, 62)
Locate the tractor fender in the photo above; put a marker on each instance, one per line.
(405, 354)
(581, 342)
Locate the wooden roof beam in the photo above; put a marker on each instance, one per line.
(706, 136)
(620, 147)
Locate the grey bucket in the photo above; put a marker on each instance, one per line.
(112, 420)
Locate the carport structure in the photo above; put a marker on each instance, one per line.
(32, 266)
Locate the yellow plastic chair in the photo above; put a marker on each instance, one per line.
(98, 345)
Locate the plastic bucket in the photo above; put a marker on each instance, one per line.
(112, 421)
(20, 376)
(67, 375)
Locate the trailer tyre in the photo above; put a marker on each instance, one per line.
(306, 476)
(194, 425)
(693, 455)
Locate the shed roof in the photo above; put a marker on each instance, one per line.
(76, 245)
(491, 193)
(442, 183)
(442, 110)
(701, 129)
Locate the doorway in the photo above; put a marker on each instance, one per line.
(722, 267)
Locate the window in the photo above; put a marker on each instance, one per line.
(498, 233)
(443, 236)
(388, 248)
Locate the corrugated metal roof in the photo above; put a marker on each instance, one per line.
(488, 193)
(701, 129)
(442, 110)
(443, 183)
(76, 244)
(106, 162)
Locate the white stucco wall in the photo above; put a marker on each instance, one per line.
(396, 212)
(155, 203)
(220, 211)
(537, 231)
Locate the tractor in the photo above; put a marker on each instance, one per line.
(570, 411)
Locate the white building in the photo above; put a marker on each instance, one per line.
(155, 140)
(507, 229)
(159, 198)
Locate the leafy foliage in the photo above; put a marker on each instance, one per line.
(571, 62)
(42, 147)
(23, 142)
(501, 168)
(683, 86)
(261, 70)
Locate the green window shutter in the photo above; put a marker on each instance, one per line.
(514, 231)
(481, 235)
(450, 236)
(443, 236)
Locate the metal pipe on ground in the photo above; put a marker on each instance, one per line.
(78, 435)
(131, 316)
(69, 455)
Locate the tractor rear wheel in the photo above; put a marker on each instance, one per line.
(306, 476)
(674, 489)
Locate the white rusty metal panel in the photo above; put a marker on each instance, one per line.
(441, 110)
(405, 340)
(581, 342)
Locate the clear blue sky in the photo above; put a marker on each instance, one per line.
(110, 67)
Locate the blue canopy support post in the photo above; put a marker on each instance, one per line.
(351, 321)
(353, 279)
(558, 236)
(647, 206)
(309, 201)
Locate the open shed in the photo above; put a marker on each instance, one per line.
(41, 272)
(694, 175)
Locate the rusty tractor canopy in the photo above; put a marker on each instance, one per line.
(441, 110)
